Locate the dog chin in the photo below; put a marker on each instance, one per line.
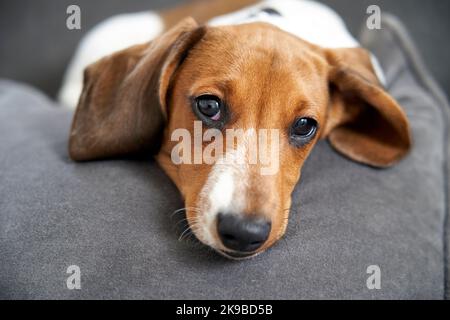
(236, 255)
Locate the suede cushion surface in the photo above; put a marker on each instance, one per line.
(114, 218)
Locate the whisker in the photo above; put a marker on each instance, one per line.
(184, 232)
(182, 220)
(195, 209)
(189, 230)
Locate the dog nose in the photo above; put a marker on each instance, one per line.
(243, 234)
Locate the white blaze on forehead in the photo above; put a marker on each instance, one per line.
(227, 181)
(222, 189)
(225, 188)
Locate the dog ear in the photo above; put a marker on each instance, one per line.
(122, 107)
(364, 122)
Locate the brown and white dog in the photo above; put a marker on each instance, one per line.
(288, 65)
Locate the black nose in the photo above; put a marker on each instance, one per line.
(243, 234)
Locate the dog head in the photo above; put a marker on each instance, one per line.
(247, 77)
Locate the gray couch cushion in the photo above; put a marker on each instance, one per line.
(113, 218)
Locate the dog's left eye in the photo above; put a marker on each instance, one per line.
(209, 106)
(303, 130)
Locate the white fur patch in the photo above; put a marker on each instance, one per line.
(309, 20)
(219, 190)
(225, 188)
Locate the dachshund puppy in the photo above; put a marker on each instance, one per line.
(289, 66)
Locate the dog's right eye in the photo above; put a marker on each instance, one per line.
(209, 106)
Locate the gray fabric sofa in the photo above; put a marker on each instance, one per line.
(114, 218)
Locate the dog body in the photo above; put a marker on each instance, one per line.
(285, 65)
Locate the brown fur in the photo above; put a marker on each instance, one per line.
(268, 79)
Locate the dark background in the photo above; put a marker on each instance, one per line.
(35, 45)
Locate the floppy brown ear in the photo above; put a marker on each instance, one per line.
(121, 108)
(364, 122)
